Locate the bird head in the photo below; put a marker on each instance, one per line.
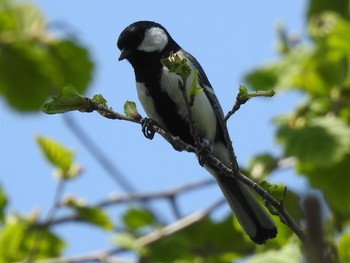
(142, 37)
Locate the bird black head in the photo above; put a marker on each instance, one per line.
(143, 37)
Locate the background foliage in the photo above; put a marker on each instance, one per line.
(36, 65)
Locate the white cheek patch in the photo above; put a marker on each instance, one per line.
(155, 40)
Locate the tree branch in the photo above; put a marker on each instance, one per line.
(282, 212)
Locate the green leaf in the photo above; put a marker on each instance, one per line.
(66, 103)
(130, 109)
(137, 218)
(17, 240)
(344, 247)
(92, 215)
(3, 203)
(56, 154)
(323, 141)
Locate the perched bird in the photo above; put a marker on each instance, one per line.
(144, 44)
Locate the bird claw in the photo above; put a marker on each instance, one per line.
(147, 129)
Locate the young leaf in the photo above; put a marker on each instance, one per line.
(56, 154)
(242, 90)
(98, 98)
(177, 65)
(64, 103)
(130, 109)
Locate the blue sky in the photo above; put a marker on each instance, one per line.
(228, 38)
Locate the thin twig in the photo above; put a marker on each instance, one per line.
(117, 200)
(236, 106)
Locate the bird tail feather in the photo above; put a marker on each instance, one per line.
(253, 218)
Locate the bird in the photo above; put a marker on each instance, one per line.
(144, 44)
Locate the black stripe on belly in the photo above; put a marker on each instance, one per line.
(168, 111)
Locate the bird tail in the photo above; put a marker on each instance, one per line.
(253, 218)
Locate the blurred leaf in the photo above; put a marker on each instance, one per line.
(264, 78)
(261, 165)
(206, 241)
(69, 90)
(279, 74)
(137, 218)
(344, 247)
(35, 66)
(56, 154)
(17, 238)
(3, 203)
(25, 76)
(334, 182)
(316, 7)
(93, 215)
(127, 241)
(323, 142)
(21, 18)
(289, 253)
(72, 63)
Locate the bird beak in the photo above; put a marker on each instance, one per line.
(124, 54)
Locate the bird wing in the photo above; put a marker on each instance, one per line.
(205, 84)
